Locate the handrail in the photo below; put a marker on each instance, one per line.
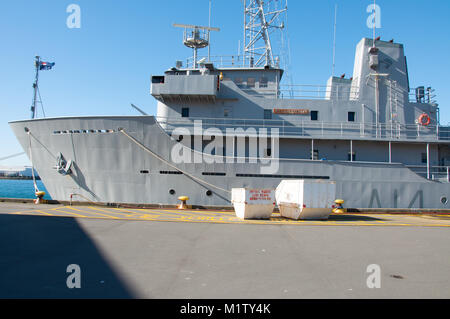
(221, 61)
(317, 129)
(436, 172)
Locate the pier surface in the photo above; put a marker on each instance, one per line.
(168, 253)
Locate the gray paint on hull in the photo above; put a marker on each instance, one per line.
(108, 168)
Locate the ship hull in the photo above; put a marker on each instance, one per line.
(111, 167)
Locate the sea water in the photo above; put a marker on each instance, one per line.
(11, 188)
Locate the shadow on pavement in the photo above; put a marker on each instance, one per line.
(354, 218)
(35, 252)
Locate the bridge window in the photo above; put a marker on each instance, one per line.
(424, 158)
(251, 82)
(185, 112)
(157, 79)
(267, 114)
(351, 116)
(351, 157)
(314, 115)
(263, 82)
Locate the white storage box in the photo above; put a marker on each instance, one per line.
(306, 199)
(251, 203)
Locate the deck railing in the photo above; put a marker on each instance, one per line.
(317, 129)
(221, 61)
(438, 173)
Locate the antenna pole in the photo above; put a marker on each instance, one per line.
(209, 32)
(374, 20)
(334, 40)
(245, 33)
(35, 87)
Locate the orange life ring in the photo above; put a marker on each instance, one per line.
(424, 119)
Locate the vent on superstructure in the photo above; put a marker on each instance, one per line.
(213, 174)
(90, 131)
(170, 172)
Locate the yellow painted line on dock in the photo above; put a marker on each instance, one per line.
(136, 215)
(123, 211)
(44, 213)
(228, 217)
(96, 213)
(60, 210)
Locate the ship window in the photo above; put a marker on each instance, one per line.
(213, 174)
(263, 81)
(314, 115)
(352, 158)
(315, 156)
(267, 152)
(185, 112)
(157, 79)
(170, 173)
(251, 82)
(283, 176)
(424, 158)
(351, 116)
(267, 114)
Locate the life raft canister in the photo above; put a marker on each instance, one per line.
(424, 119)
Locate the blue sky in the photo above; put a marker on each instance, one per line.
(106, 64)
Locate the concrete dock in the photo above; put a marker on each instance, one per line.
(167, 253)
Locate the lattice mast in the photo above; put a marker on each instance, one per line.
(261, 19)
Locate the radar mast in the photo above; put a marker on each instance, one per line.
(261, 19)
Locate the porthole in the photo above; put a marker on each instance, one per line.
(208, 193)
(172, 192)
(444, 200)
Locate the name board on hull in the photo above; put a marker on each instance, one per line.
(291, 111)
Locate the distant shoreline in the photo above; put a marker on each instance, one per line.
(19, 177)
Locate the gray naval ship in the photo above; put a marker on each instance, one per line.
(229, 122)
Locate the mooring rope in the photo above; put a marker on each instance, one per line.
(36, 188)
(11, 156)
(142, 146)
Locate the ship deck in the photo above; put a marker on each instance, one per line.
(167, 253)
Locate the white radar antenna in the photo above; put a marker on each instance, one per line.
(196, 37)
(261, 19)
